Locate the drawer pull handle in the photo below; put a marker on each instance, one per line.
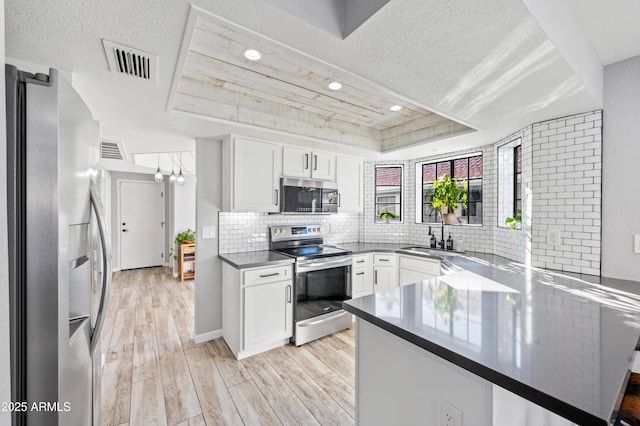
(270, 275)
(360, 261)
(383, 260)
(360, 273)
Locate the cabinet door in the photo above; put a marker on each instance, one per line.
(384, 278)
(256, 176)
(268, 310)
(358, 280)
(296, 162)
(323, 165)
(410, 276)
(349, 179)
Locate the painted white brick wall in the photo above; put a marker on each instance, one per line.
(567, 179)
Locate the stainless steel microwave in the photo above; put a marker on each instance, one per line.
(308, 196)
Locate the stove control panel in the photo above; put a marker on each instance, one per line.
(280, 232)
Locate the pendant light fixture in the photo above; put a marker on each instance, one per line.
(180, 178)
(172, 178)
(158, 176)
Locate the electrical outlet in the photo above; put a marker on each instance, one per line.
(553, 237)
(636, 243)
(449, 415)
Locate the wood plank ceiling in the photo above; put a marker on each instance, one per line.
(287, 90)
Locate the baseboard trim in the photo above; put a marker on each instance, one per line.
(204, 337)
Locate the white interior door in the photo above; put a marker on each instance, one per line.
(141, 224)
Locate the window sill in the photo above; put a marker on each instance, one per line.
(472, 225)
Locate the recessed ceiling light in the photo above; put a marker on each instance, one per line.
(252, 54)
(395, 108)
(335, 85)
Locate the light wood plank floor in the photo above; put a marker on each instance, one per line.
(155, 374)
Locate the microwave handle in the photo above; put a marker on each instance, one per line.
(276, 192)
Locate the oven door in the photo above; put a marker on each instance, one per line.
(319, 294)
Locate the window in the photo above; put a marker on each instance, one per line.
(467, 169)
(510, 183)
(388, 191)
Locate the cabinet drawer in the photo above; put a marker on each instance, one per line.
(384, 259)
(361, 260)
(188, 248)
(428, 266)
(267, 275)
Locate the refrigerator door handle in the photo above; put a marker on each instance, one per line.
(106, 264)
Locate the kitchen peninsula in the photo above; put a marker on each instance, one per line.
(491, 335)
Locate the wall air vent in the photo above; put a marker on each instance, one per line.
(132, 62)
(112, 150)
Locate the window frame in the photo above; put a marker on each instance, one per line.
(420, 184)
(400, 218)
(513, 144)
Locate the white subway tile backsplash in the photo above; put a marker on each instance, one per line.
(561, 174)
(579, 172)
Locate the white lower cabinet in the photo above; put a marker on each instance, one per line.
(374, 272)
(384, 271)
(362, 275)
(267, 314)
(412, 269)
(257, 308)
(384, 278)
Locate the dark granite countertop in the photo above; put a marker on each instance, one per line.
(255, 259)
(361, 248)
(564, 342)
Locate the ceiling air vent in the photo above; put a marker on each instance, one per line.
(132, 62)
(112, 150)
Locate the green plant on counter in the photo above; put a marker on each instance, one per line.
(514, 222)
(387, 215)
(446, 192)
(183, 237)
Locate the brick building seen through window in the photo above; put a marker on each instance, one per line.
(388, 191)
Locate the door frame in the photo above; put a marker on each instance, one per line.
(164, 215)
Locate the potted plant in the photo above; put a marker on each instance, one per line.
(184, 237)
(446, 193)
(387, 215)
(514, 222)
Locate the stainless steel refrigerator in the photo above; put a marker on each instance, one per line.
(60, 257)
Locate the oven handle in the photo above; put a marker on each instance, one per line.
(303, 266)
(329, 317)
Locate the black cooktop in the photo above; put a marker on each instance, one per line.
(311, 252)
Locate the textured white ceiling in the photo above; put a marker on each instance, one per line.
(485, 63)
(612, 26)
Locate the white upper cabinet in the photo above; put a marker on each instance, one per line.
(251, 175)
(303, 163)
(296, 162)
(323, 165)
(350, 184)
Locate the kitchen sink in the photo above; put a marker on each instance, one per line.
(428, 251)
